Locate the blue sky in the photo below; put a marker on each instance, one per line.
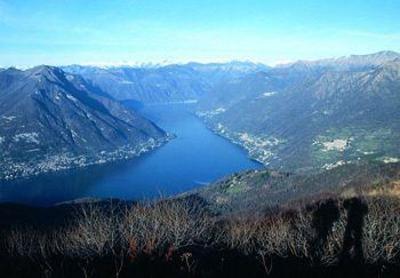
(127, 31)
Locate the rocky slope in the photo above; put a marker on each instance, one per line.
(51, 120)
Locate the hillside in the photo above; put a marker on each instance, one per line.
(50, 120)
(255, 190)
(315, 115)
(348, 232)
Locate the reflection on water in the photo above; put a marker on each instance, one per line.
(195, 158)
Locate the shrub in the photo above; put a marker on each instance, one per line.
(171, 230)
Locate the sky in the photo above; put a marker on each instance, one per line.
(60, 32)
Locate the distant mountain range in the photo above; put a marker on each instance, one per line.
(51, 120)
(170, 83)
(303, 116)
(313, 115)
(352, 62)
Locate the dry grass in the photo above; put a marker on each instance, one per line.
(164, 229)
(381, 235)
(390, 190)
(292, 236)
(155, 228)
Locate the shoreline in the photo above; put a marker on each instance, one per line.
(67, 161)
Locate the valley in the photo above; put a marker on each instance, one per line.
(194, 158)
(304, 117)
(199, 139)
(200, 167)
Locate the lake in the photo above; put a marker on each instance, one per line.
(194, 158)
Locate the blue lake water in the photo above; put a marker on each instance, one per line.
(194, 158)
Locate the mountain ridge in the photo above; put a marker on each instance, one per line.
(312, 117)
(168, 83)
(65, 122)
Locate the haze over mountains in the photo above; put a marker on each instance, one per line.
(303, 116)
(171, 83)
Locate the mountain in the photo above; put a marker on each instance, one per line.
(352, 62)
(148, 85)
(51, 120)
(312, 118)
(304, 116)
(220, 72)
(162, 84)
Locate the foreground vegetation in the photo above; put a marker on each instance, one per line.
(344, 234)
